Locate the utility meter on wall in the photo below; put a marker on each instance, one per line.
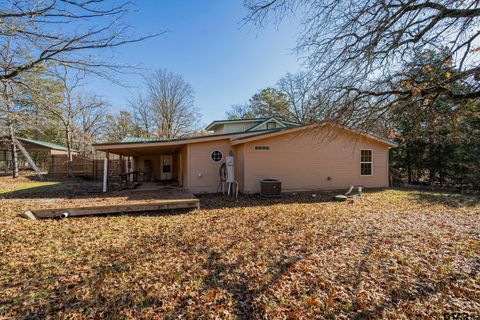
(229, 161)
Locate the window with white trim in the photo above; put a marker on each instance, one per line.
(366, 163)
(216, 156)
(271, 125)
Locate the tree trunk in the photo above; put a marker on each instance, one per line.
(440, 171)
(431, 167)
(409, 167)
(69, 154)
(14, 158)
(5, 162)
(11, 133)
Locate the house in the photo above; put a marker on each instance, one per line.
(321, 156)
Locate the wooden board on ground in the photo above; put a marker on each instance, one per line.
(178, 199)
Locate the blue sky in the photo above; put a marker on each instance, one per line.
(224, 61)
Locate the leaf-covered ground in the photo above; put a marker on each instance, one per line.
(392, 254)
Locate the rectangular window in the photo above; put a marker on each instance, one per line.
(366, 163)
(262, 148)
(271, 125)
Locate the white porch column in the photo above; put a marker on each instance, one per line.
(132, 163)
(105, 171)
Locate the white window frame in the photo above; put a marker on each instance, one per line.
(219, 161)
(366, 162)
(271, 122)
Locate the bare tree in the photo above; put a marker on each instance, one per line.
(38, 34)
(172, 104)
(307, 105)
(119, 126)
(357, 49)
(76, 112)
(8, 106)
(62, 32)
(90, 121)
(18, 101)
(142, 115)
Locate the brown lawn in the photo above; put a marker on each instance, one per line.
(393, 254)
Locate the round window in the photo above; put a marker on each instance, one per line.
(217, 156)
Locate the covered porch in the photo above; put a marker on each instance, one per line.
(150, 167)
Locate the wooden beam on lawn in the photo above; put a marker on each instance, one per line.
(125, 208)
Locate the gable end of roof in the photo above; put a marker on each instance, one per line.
(275, 132)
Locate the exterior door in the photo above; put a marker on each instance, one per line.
(147, 170)
(166, 167)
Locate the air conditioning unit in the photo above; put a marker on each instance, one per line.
(270, 188)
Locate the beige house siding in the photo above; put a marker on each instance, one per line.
(240, 168)
(183, 155)
(235, 127)
(309, 158)
(304, 161)
(203, 171)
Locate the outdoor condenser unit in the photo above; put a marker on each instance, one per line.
(270, 188)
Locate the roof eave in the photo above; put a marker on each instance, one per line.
(215, 123)
(294, 129)
(119, 145)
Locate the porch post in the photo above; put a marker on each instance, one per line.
(180, 170)
(132, 167)
(105, 171)
(132, 163)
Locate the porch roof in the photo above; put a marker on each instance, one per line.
(149, 146)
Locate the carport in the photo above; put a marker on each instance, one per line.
(155, 161)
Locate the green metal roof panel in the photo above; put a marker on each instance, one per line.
(45, 144)
(131, 140)
(142, 140)
(217, 122)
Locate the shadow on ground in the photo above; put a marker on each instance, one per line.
(453, 200)
(89, 192)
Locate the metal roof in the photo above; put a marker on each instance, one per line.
(212, 125)
(142, 140)
(45, 144)
(133, 140)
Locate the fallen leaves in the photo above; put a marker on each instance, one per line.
(393, 254)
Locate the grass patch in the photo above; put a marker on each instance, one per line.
(26, 187)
